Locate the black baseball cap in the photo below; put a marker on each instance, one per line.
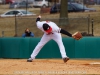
(47, 28)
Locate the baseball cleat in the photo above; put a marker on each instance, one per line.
(29, 60)
(65, 59)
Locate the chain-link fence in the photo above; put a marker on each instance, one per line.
(7, 27)
(70, 24)
(16, 26)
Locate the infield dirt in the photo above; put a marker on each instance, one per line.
(49, 66)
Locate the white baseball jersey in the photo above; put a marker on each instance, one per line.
(54, 27)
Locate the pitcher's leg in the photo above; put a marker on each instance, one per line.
(62, 48)
(58, 39)
(62, 51)
(37, 49)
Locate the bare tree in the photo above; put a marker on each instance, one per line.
(64, 12)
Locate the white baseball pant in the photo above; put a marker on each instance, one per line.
(56, 37)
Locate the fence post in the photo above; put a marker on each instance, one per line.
(2, 33)
(88, 23)
(92, 26)
(15, 27)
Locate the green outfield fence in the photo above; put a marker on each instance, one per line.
(18, 47)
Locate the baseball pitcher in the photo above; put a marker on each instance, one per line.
(51, 31)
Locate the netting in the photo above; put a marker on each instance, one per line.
(71, 24)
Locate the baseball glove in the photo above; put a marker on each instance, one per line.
(77, 35)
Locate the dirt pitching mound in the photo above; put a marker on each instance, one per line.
(49, 66)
